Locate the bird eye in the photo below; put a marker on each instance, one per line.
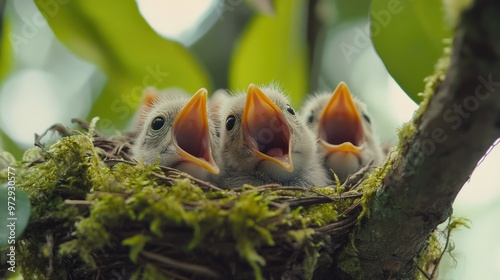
(365, 116)
(290, 109)
(230, 122)
(310, 119)
(157, 123)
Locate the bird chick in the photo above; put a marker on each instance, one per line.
(150, 95)
(346, 138)
(176, 133)
(214, 107)
(263, 141)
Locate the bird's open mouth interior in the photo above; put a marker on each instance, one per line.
(192, 137)
(341, 128)
(340, 122)
(271, 136)
(265, 130)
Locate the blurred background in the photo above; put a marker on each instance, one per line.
(102, 58)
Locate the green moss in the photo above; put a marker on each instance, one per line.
(457, 223)
(65, 167)
(137, 243)
(349, 260)
(322, 214)
(433, 81)
(330, 191)
(405, 135)
(32, 154)
(372, 183)
(152, 272)
(35, 266)
(246, 219)
(300, 236)
(438, 244)
(325, 213)
(91, 237)
(98, 216)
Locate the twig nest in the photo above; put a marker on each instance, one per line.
(98, 214)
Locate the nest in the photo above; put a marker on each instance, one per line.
(98, 214)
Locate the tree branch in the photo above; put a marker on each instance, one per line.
(460, 123)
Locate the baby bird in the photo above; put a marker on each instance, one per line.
(150, 95)
(263, 141)
(214, 105)
(176, 133)
(346, 139)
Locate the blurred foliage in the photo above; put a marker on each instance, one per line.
(6, 58)
(5, 50)
(408, 35)
(349, 9)
(7, 144)
(266, 44)
(263, 6)
(215, 46)
(117, 38)
(21, 209)
(274, 49)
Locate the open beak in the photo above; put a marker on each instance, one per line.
(265, 130)
(191, 135)
(340, 127)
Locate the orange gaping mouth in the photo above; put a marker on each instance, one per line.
(265, 130)
(340, 127)
(191, 134)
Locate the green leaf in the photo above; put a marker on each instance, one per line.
(348, 10)
(6, 61)
(113, 35)
(9, 145)
(408, 36)
(273, 49)
(16, 218)
(6, 54)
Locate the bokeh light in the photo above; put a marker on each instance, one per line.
(29, 103)
(178, 20)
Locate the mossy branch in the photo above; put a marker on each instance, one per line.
(451, 135)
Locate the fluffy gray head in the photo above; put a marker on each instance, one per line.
(150, 97)
(154, 141)
(177, 133)
(343, 164)
(240, 163)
